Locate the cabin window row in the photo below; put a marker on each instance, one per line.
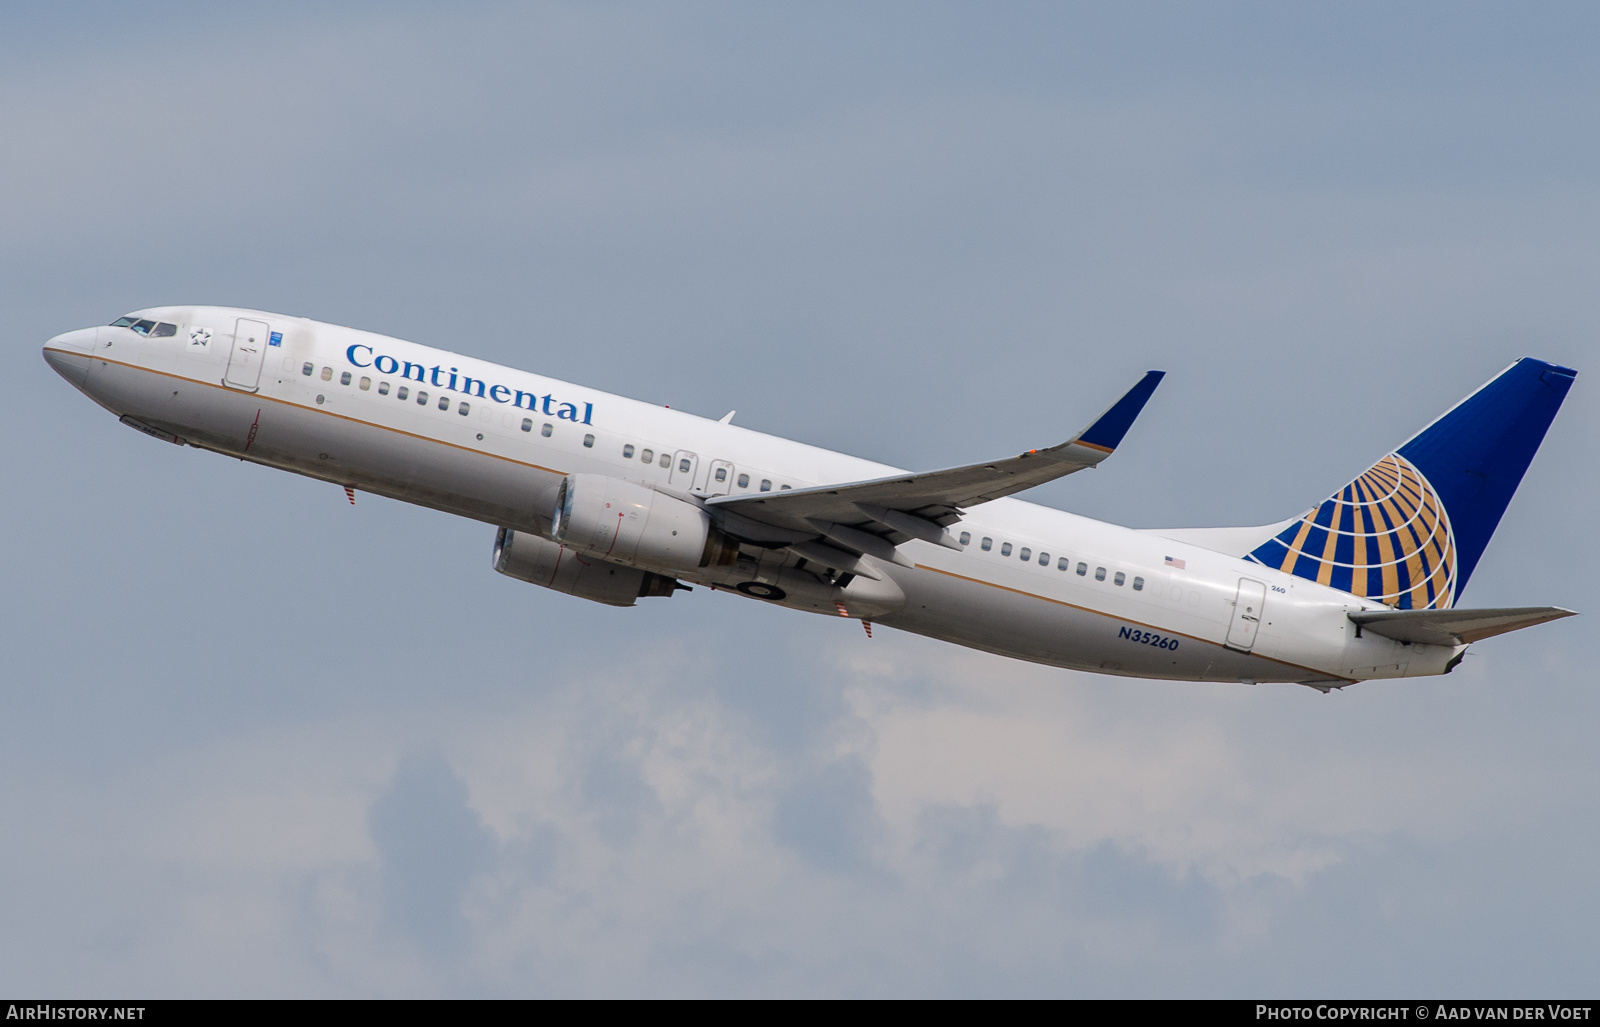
(1025, 554)
(546, 430)
(403, 393)
(664, 461)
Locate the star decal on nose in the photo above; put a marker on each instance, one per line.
(199, 336)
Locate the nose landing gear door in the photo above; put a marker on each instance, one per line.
(249, 350)
(1248, 606)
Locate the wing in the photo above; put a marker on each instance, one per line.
(872, 517)
(1453, 627)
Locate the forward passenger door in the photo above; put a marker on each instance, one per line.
(249, 350)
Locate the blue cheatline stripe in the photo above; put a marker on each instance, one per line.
(1272, 553)
(1344, 548)
(1475, 455)
(1404, 574)
(1316, 538)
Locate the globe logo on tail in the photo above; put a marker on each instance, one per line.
(1385, 536)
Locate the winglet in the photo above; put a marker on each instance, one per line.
(1106, 433)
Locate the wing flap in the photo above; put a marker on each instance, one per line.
(1453, 627)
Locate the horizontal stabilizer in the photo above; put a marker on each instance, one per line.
(1453, 627)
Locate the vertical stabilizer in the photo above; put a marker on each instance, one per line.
(1410, 531)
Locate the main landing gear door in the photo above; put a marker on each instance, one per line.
(249, 350)
(1247, 610)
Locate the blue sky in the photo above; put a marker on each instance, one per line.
(261, 743)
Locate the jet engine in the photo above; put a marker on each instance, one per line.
(539, 561)
(631, 524)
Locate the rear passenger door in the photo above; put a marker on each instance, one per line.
(1248, 605)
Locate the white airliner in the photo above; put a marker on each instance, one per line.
(612, 500)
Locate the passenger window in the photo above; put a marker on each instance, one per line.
(463, 409)
(383, 388)
(986, 545)
(666, 460)
(444, 402)
(1138, 584)
(588, 442)
(966, 537)
(547, 429)
(1063, 563)
(306, 370)
(1099, 574)
(422, 398)
(163, 330)
(1119, 579)
(648, 456)
(683, 466)
(722, 474)
(366, 384)
(766, 484)
(402, 393)
(1005, 549)
(1025, 555)
(1083, 569)
(627, 452)
(327, 374)
(1044, 559)
(344, 379)
(785, 488)
(744, 481)
(527, 424)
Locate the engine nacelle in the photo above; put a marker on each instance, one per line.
(550, 564)
(624, 522)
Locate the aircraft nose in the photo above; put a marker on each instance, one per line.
(68, 354)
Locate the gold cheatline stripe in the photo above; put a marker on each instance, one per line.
(1294, 547)
(1329, 544)
(1358, 548)
(1387, 556)
(314, 410)
(1415, 566)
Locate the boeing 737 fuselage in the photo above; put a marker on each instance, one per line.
(612, 500)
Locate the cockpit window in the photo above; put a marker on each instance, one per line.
(154, 329)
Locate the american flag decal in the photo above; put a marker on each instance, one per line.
(1173, 561)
